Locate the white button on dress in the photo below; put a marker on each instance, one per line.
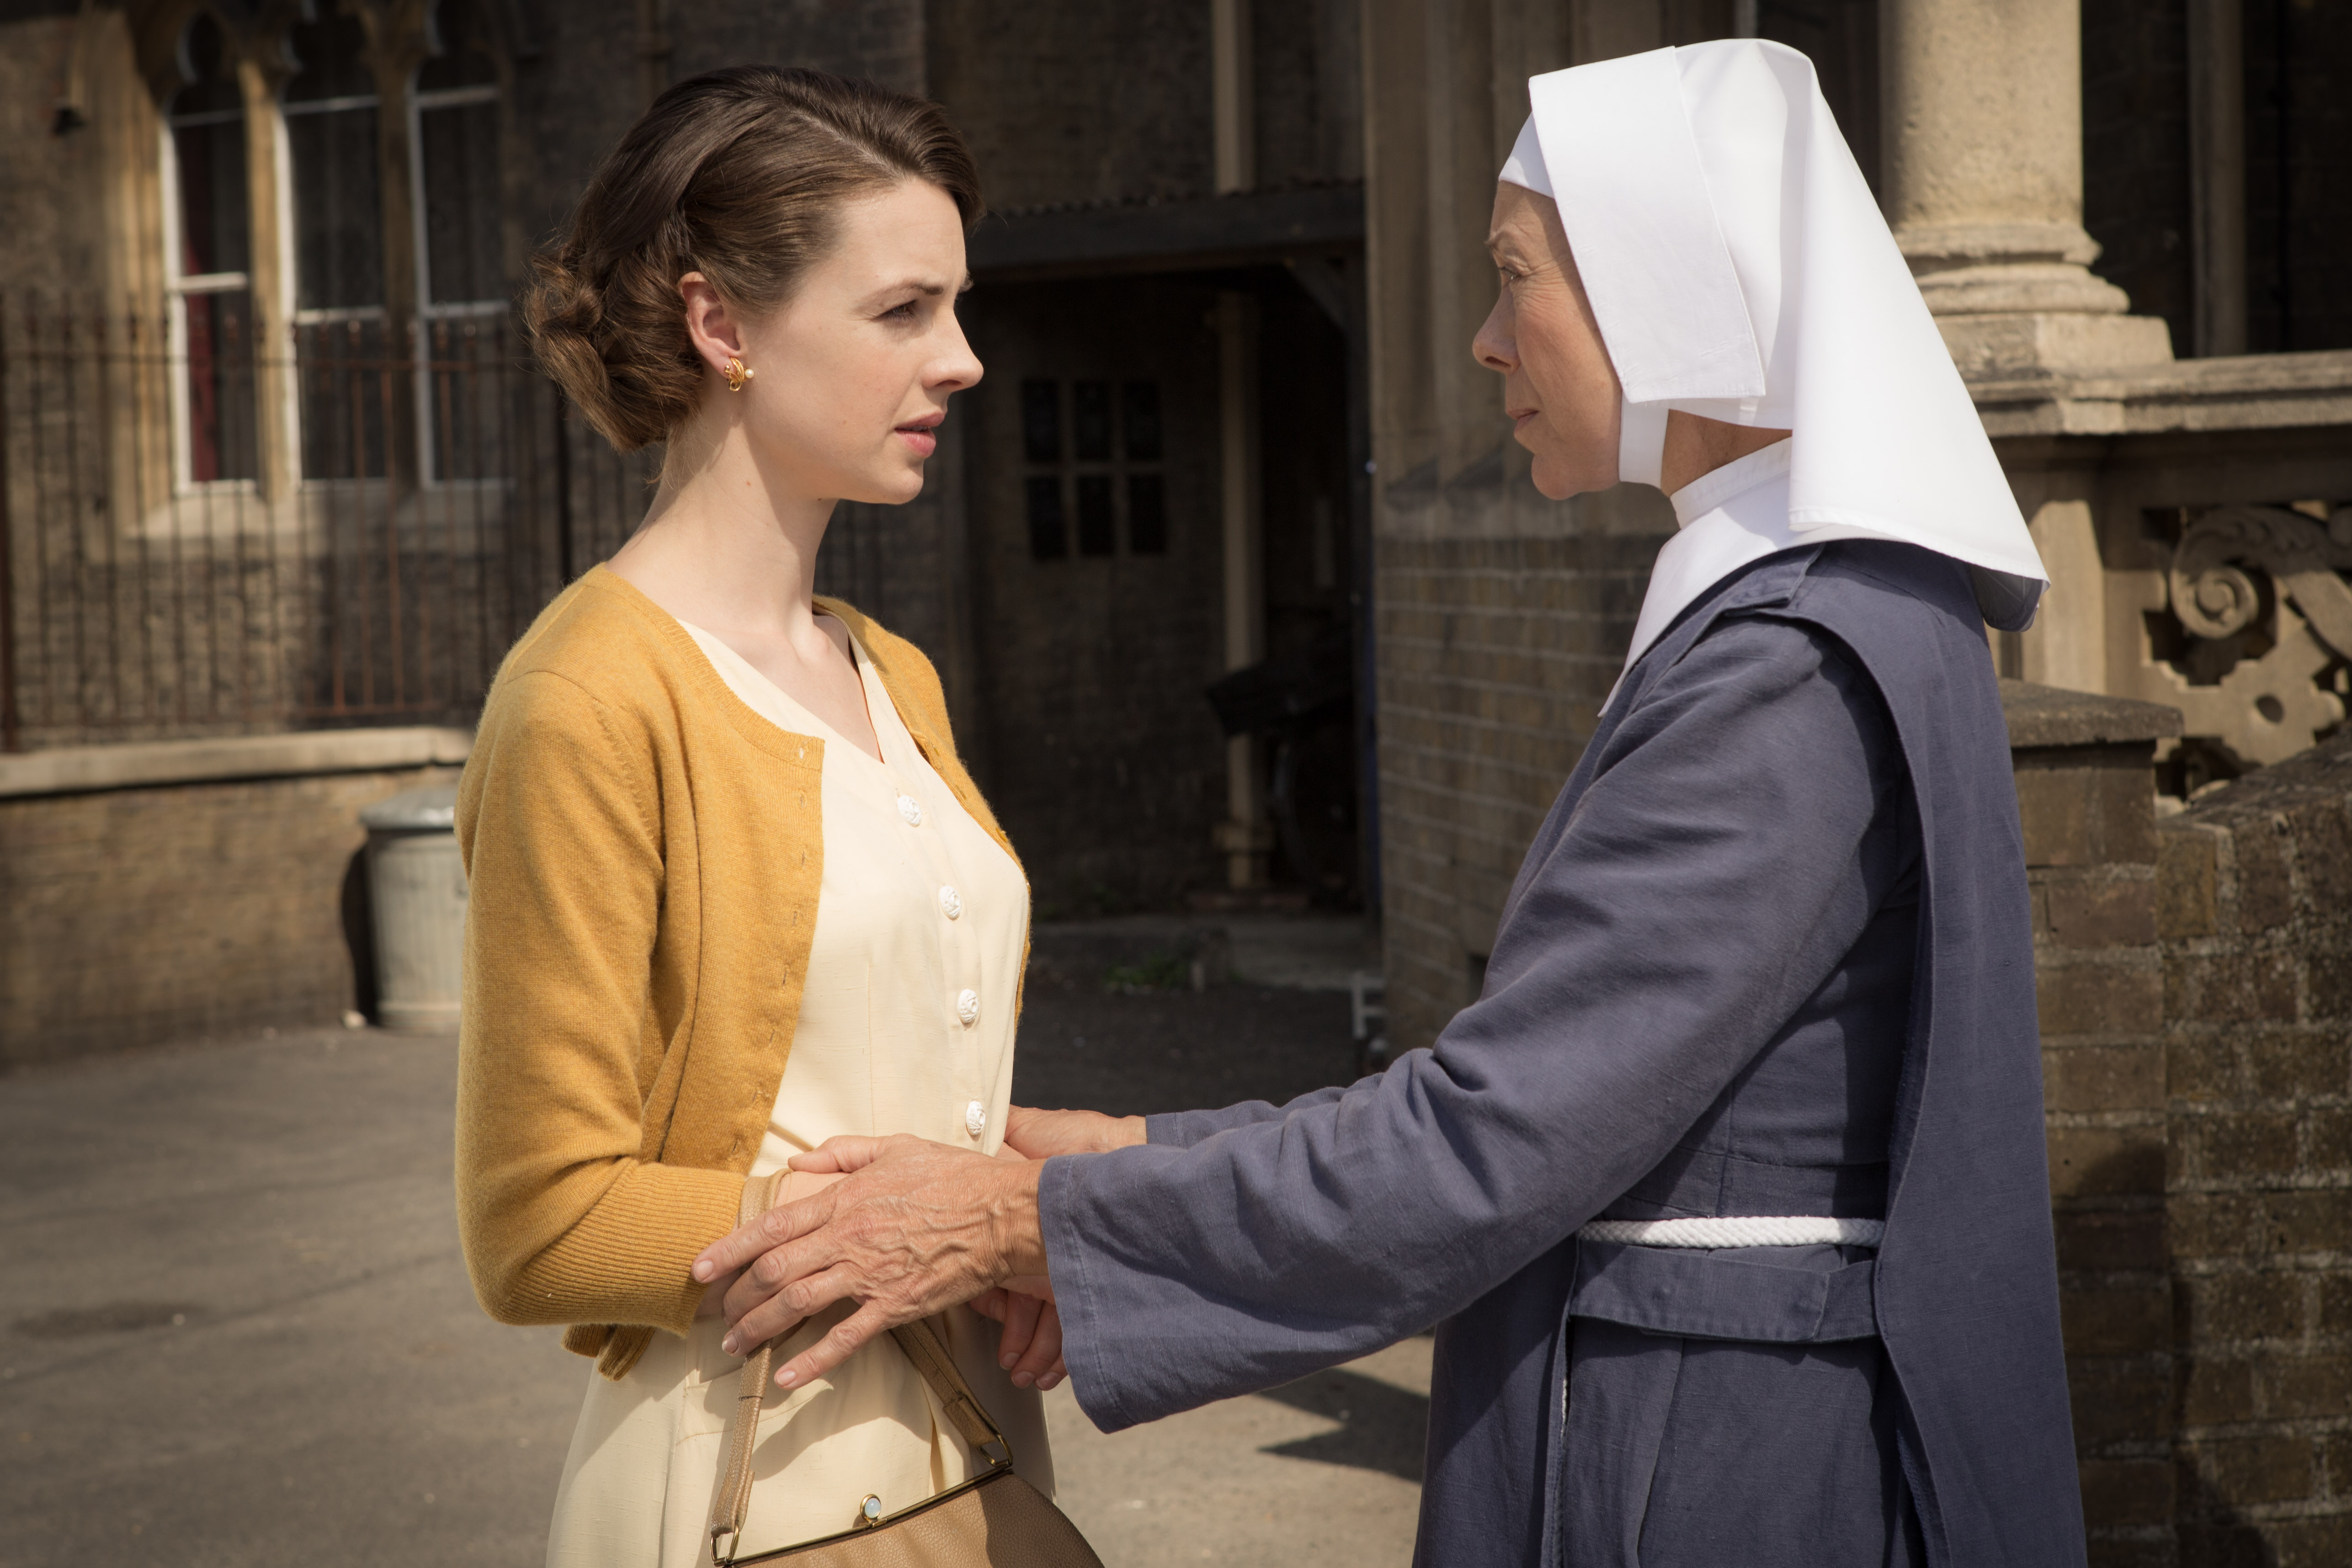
(908, 809)
(975, 1118)
(968, 1006)
(950, 903)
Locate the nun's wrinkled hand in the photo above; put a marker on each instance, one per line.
(917, 1228)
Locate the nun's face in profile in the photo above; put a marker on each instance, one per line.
(1557, 384)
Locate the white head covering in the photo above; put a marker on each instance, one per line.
(1740, 269)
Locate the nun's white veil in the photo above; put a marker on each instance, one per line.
(1739, 270)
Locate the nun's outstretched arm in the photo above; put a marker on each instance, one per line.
(1701, 891)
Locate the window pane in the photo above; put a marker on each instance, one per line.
(1142, 400)
(212, 76)
(338, 218)
(1048, 539)
(332, 52)
(457, 38)
(1041, 420)
(338, 224)
(1090, 421)
(1098, 526)
(344, 373)
(212, 229)
(458, 147)
(219, 338)
(1147, 516)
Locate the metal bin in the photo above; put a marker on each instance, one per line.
(416, 894)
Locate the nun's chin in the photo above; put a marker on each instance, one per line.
(1557, 475)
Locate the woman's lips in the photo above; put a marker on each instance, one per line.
(920, 434)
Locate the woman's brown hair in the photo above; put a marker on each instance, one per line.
(738, 174)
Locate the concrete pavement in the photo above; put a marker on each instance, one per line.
(234, 1328)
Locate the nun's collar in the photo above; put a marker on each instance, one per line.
(1735, 478)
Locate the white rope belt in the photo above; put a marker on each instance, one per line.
(1738, 1230)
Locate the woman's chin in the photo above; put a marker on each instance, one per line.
(892, 489)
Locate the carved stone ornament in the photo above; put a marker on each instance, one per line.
(2266, 708)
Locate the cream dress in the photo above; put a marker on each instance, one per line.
(905, 1026)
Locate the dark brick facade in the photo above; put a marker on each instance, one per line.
(2256, 922)
(1495, 657)
(2087, 803)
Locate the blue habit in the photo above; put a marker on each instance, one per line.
(1769, 953)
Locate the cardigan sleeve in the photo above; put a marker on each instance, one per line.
(563, 1215)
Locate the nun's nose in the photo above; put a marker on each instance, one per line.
(1493, 347)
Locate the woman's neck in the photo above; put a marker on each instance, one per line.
(728, 544)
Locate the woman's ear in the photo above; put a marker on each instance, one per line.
(710, 323)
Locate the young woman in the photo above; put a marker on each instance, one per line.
(1729, 1194)
(732, 893)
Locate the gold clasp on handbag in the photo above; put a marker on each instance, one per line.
(869, 1512)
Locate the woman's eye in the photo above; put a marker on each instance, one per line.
(901, 312)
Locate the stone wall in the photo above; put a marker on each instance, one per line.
(2255, 914)
(2087, 805)
(157, 911)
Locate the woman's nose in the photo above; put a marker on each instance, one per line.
(958, 369)
(1493, 346)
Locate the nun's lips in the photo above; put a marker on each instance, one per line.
(1519, 416)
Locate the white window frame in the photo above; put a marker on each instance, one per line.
(428, 309)
(289, 252)
(178, 286)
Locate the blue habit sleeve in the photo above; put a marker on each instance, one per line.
(1660, 933)
(1185, 1128)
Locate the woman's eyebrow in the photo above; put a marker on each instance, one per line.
(931, 288)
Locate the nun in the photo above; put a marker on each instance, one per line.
(1729, 1195)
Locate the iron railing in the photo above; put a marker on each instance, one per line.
(204, 536)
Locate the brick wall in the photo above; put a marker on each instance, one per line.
(1495, 656)
(2086, 802)
(134, 916)
(2256, 920)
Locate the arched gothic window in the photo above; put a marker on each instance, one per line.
(460, 256)
(208, 262)
(331, 111)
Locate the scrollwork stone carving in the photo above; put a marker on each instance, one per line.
(2266, 709)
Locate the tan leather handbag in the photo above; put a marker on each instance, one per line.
(995, 1519)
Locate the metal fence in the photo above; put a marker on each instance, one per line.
(204, 535)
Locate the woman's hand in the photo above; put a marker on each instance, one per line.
(1042, 1135)
(1031, 1348)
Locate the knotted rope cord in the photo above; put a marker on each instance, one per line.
(1738, 1230)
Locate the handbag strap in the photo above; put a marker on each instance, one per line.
(922, 1346)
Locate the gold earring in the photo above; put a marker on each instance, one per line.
(737, 373)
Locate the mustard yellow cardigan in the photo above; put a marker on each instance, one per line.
(642, 853)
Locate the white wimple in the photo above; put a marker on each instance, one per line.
(1738, 1230)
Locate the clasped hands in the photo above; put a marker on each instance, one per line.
(912, 1228)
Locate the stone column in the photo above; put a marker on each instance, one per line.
(1982, 124)
(1245, 836)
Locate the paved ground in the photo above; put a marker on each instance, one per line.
(234, 1329)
